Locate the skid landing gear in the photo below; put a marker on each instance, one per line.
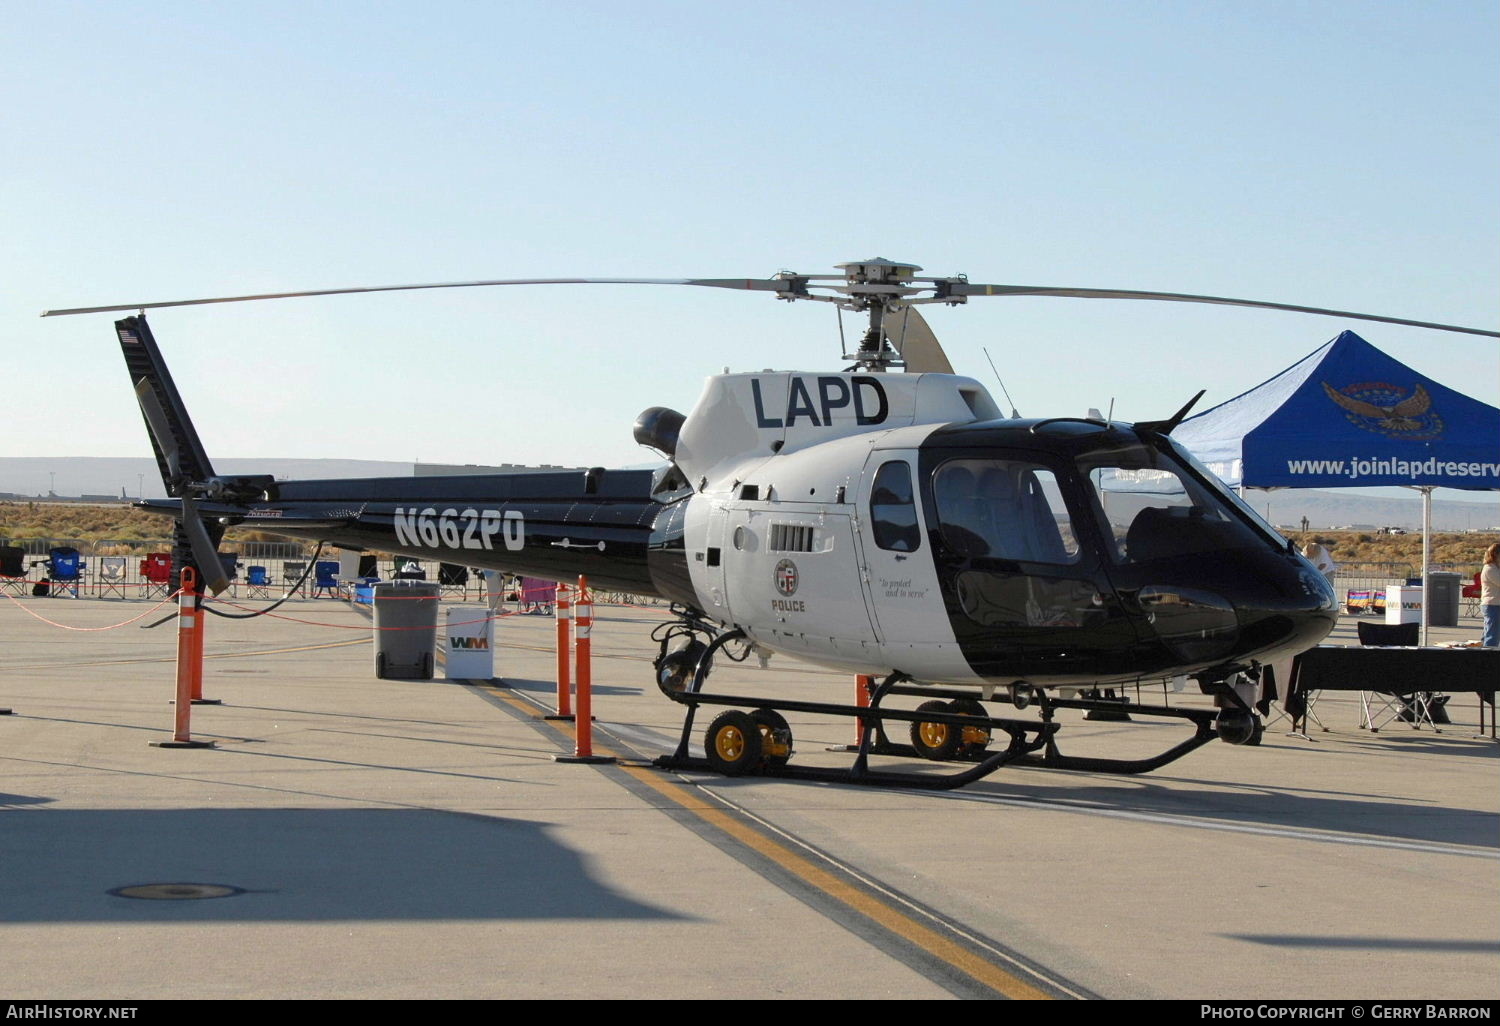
(951, 726)
(739, 743)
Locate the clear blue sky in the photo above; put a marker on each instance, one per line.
(1334, 154)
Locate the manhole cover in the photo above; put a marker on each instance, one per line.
(176, 891)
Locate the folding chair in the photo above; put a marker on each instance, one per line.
(257, 582)
(13, 569)
(65, 569)
(1471, 593)
(1294, 705)
(112, 575)
(291, 576)
(1415, 707)
(156, 574)
(326, 578)
(538, 595)
(452, 577)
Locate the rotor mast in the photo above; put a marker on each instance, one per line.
(879, 287)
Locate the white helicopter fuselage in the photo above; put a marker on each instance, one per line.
(778, 546)
(786, 538)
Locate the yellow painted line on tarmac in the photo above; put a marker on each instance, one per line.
(282, 651)
(868, 905)
(809, 872)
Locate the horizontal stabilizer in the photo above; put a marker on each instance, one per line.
(243, 517)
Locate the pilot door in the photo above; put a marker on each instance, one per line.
(899, 575)
(1023, 582)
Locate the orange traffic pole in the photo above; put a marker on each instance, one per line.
(583, 627)
(199, 627)
(189, 663)
(562, 605)
(189, 666)
(863, 685)
(583, 745)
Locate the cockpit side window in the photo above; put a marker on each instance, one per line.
(1156, 511)
(893, 511)
(1004, 509)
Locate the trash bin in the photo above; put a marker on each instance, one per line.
(406, 615)
(1443, 590)
(1403, 604)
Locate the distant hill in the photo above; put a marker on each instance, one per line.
(1333, 509)
(32, 477)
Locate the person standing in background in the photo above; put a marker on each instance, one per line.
(1489, 596)
(1321, 559)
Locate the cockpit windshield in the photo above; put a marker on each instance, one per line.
(1154, 507)
(1229, 495)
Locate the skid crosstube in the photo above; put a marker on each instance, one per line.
(1032, 742)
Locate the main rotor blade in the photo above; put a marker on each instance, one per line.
(973, 289)
(754, 284)
(920, 349)
(796, 286)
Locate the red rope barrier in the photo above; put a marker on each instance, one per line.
(111, 627)
(356, 626)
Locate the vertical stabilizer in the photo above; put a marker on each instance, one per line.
(184, 465)
(182, 459)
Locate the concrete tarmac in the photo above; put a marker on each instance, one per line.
(417, 839)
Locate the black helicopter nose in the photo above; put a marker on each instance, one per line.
(1294, 610)
(1249, 608)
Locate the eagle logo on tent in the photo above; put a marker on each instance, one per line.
(1388, 410)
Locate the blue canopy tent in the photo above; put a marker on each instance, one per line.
(1349, 416)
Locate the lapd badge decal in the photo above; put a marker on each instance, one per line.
(1388, 409)
(786, 577)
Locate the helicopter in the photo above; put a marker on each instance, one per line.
(887, 520)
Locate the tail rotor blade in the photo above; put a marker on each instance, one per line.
(205, 553)
(161, 431)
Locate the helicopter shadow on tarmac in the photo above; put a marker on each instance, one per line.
(528, 686)
(1341, 814)
(303, 865)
